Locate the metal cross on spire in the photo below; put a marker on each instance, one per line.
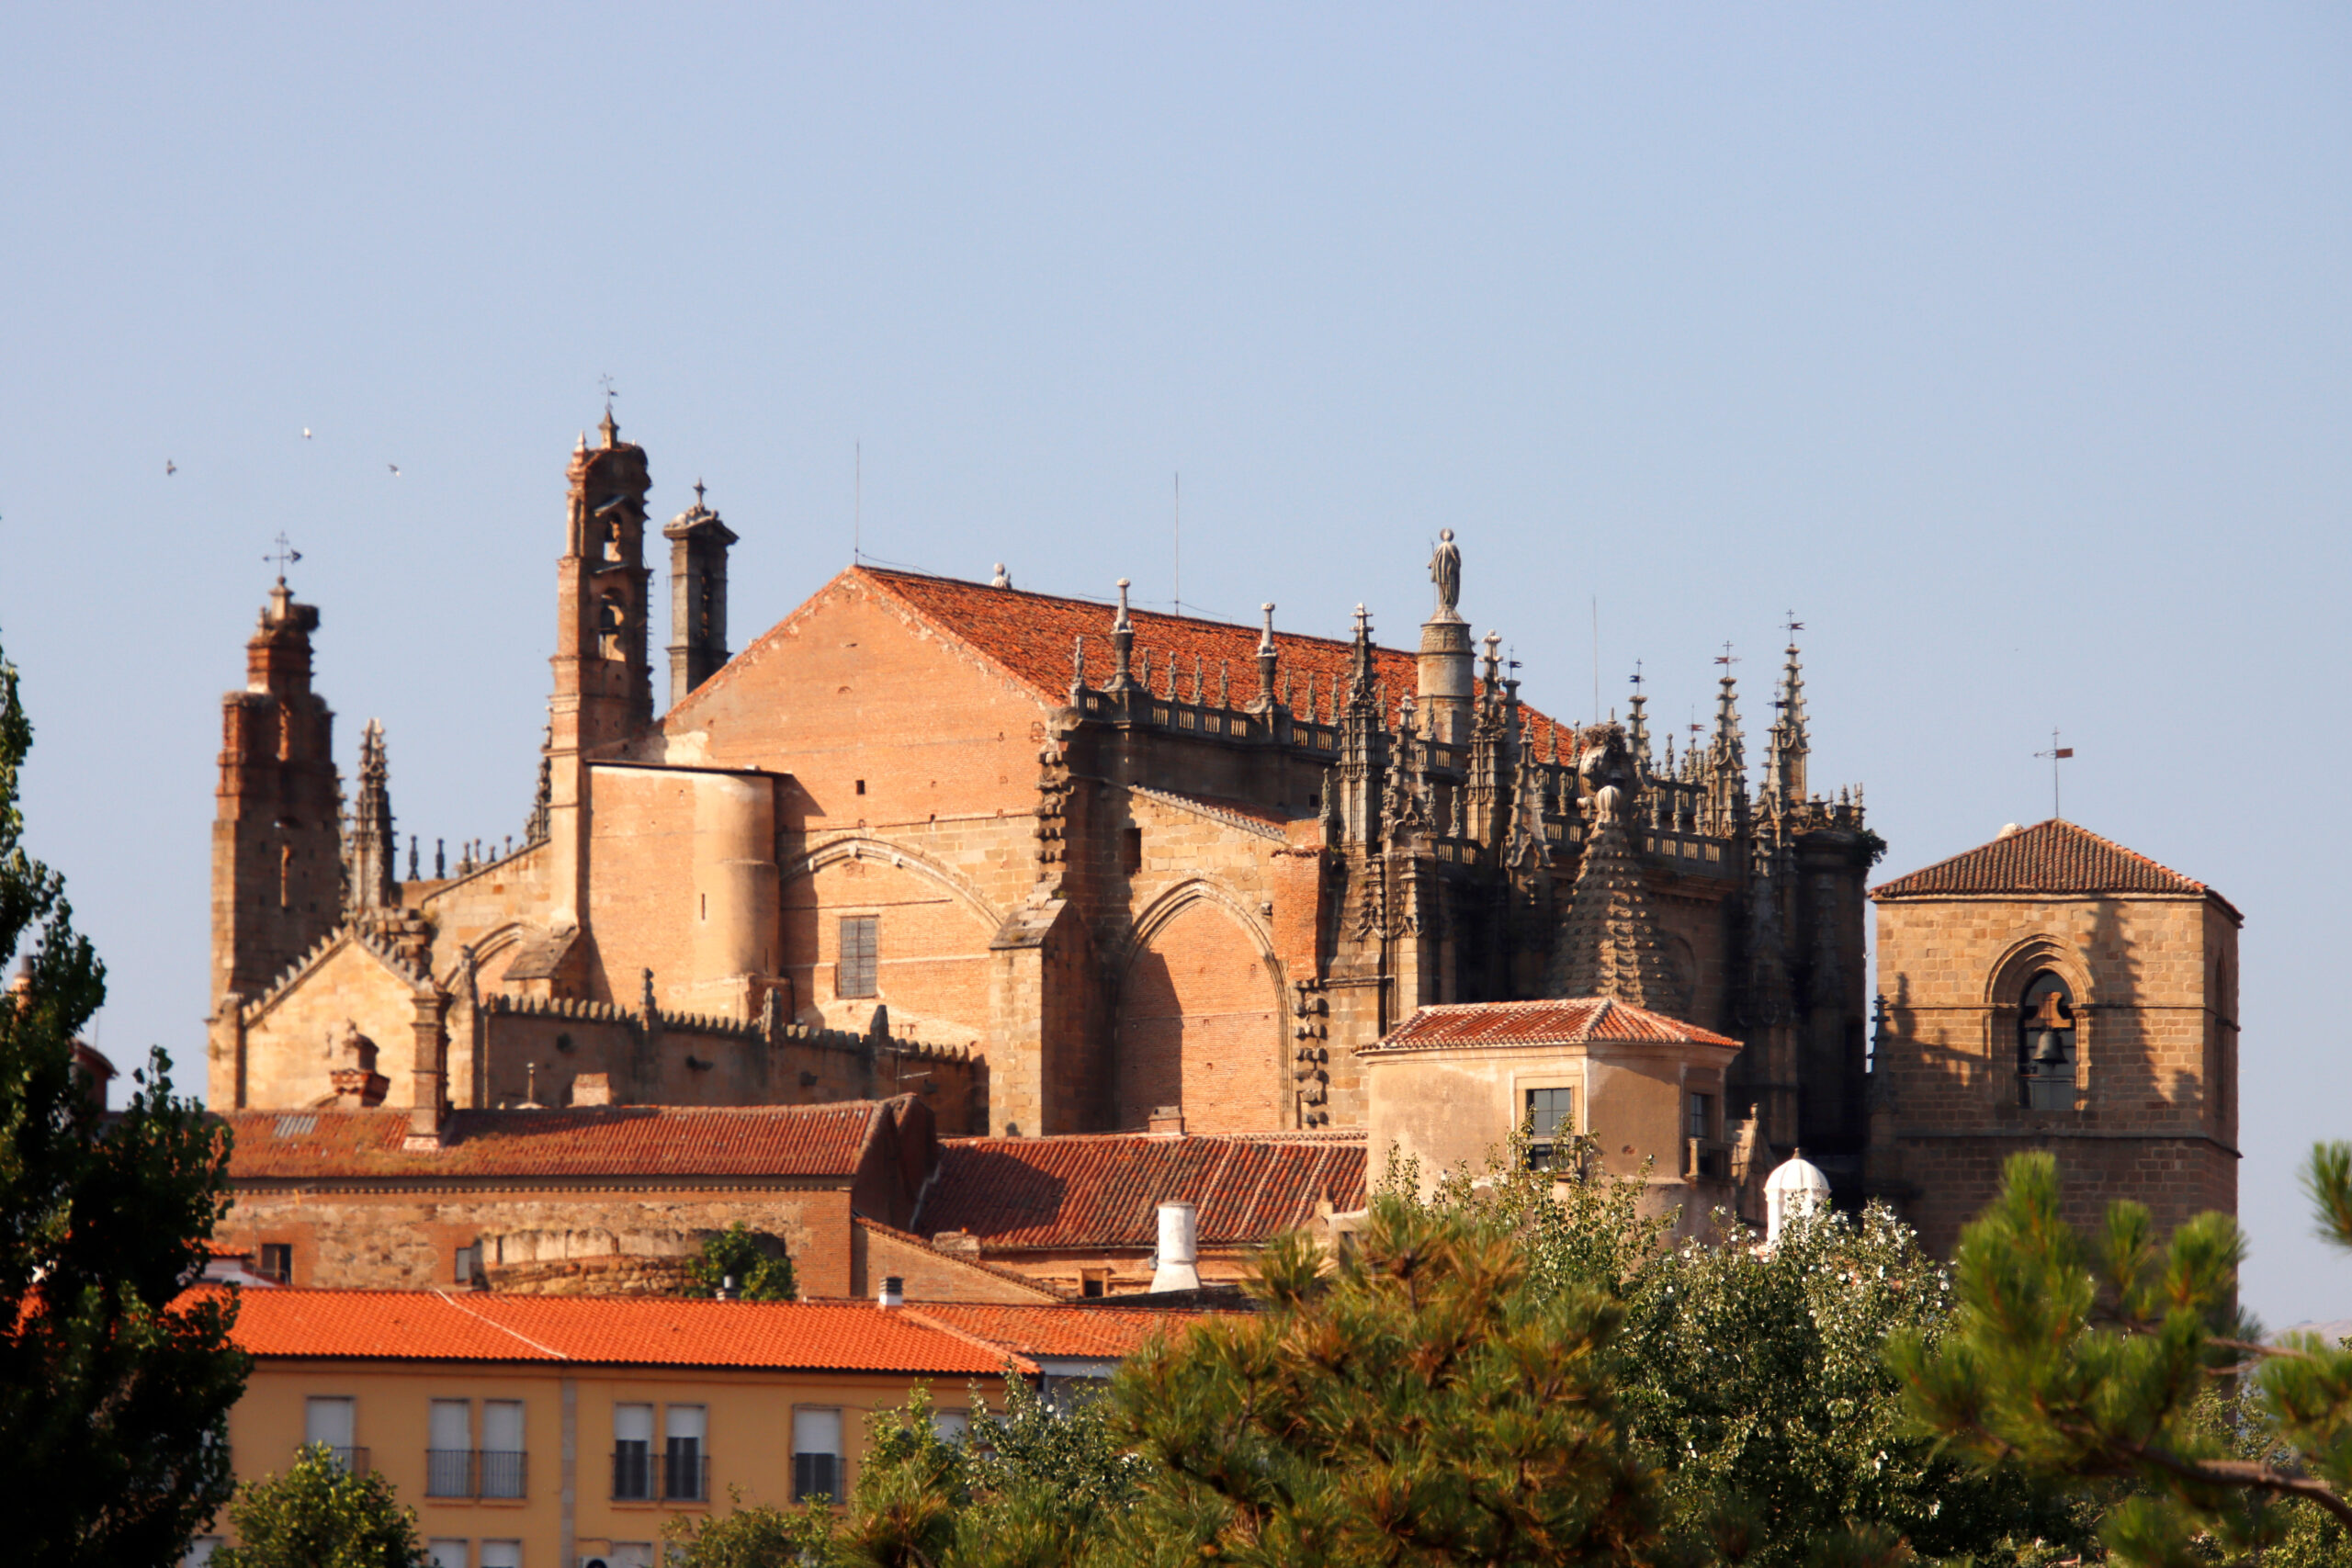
(1726, 660)
(286, 555)
(2056, 755)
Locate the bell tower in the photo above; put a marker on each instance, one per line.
(604, 684)
(698, 542)
(276, 834)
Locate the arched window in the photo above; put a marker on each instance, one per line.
(610, 617)
(2046, 1044)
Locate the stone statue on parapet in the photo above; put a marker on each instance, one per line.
(1445, 570)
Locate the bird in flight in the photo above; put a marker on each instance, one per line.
(170, 467)
(395, 468)
(306, 432)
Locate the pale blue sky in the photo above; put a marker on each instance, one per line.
(2010, 345)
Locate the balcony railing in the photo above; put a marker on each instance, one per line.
(1706, 1160)
(640, 1475)
(474, 1472)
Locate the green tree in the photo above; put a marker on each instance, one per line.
(755, 1261)
(1415, 1398)
(762, 1536)
(114, 1392)
(2093, 1360)
(319, 1515)
(1753, 1381)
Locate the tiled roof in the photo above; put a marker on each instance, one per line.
(2054, 856)
(1030, 636)
(1101, 1332)
(1544, 1022)
(600, 1330)
(615, 1140)
(1105, 1189)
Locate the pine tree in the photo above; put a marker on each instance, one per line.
(1413, 1399)
(2094, 1360)
(114, 1395)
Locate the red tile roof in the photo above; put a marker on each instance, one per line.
(1105, 1189)
(1098, 1333)
(1544, 1022)
(2054, 856)
(435, 1326)
(1031, 636)
(617, 1140)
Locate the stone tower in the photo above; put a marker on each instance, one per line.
(604, 685)
(698, 542)
(2055, 990)
(276, 851)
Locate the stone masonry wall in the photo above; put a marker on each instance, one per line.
(2154, 981)
(410, 1241)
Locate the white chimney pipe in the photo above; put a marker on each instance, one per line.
(894, 1291)
(1179, 1248)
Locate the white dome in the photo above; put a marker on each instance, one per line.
(1795, 1187)
(1797, 1174)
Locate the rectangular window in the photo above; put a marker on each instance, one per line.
(1131, 849)
(632, 1453)
(277, 1261)
(449, 1455)
(502, 1554)
(201, 1551)
(1551, 1121)
(951, 1425)
(854, 976)
(467, 1268)
(683, 1461)
(499, 1466)
(447, 1554)
(331, 1420)
(1702, 1115)
(816, 1454)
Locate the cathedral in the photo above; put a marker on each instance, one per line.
(1056, 866)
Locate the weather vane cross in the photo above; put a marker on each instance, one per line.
(1793, 623)
(1726, 660)
(286, 555)
(2056, 755)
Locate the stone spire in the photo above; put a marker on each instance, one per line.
(1637, 727)
(1123, 646)
(1727, 763)
(370, 873)
(1485, 796)
(1267, 661)
(1784, 763)
(1364, 743)
(1609, 944)
(699, 543)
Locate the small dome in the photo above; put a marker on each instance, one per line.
(1797, 1174)
(1796, 1187)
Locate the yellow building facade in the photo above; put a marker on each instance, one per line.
(542, 1432)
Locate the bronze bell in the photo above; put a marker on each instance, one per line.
(2047, 1051)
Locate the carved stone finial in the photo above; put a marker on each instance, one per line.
(1266, 638)
(1003, 578)
(1120, 622)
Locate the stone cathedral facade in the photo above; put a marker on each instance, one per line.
(1061, 866)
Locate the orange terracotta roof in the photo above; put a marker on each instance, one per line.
(645, 1331)
(1097, 1333)
(616, 1140)
(1030, 636)
(1575, 1022)
(2054, 856)
(1105, 1189)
